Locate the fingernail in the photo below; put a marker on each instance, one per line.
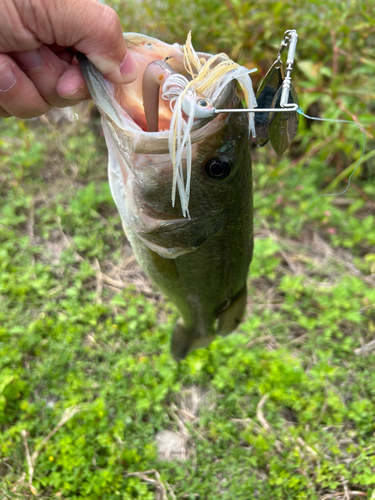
(71, 85)
(125, 73)
(7, 77)
(129, 68)
(29, 59)
(78, 93)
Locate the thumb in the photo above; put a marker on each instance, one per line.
(104, 44)
(95, 30)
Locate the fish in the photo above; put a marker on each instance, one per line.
(182, 181)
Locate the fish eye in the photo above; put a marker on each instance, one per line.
(218, 168)
(203, 103)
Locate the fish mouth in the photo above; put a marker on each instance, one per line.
(126, 106)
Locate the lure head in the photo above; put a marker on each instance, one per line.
(198, 105)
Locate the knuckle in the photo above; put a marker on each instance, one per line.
(24, 113)
(4, 114)
(111, 22)
(33, 113)
(111, 16)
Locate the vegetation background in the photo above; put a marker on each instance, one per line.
(283, 409)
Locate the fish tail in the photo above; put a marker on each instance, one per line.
(230, 317)
(185, 339)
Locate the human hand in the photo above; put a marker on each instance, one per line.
(38, 40)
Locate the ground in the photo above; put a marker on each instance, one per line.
(92, 406)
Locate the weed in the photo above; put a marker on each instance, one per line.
(284, 408)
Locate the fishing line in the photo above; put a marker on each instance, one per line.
(331, 120)
(299, 110)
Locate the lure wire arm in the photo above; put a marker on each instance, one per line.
(290, 39)
(289, 107)
(293, 38)
(283, 44)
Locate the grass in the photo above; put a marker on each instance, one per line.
(282, 409)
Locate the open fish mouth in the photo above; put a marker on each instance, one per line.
(129, 106)
(170, 106)
(137, 105)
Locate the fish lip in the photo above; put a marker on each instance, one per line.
(164, 223)
(165, 219)
(158, 142)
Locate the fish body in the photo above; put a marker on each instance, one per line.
(201, 263)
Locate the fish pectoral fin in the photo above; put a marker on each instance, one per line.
(185, 340)
(230, 317)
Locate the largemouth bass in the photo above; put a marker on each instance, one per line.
(198, 251)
